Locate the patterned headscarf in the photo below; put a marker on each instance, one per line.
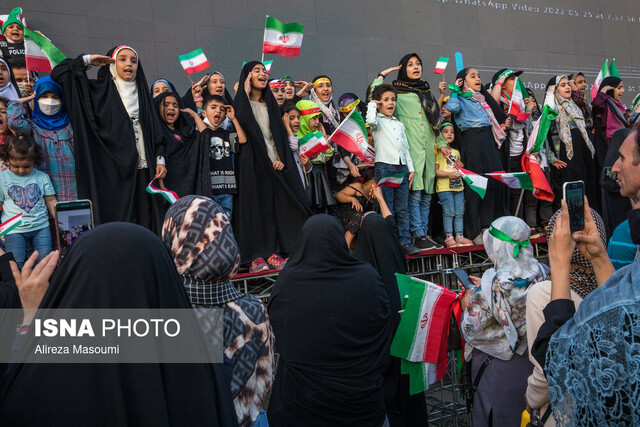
(569, 112)
(200, 239)
(581, 276)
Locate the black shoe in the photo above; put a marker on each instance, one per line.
(423, 242)
(409, 249)
(436, 245)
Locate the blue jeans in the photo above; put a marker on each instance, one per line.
(226, 203)
(419, 205)
(397, 198)
(452, 211)
(17, 244)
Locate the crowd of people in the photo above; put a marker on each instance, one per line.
(559, 343)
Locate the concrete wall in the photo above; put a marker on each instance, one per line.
(352, 40)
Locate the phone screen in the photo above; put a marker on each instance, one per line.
(72, 219)
(574, 196)
(464, 278)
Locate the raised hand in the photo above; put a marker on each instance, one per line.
(390, 70)
(100, 60)
(32, 283)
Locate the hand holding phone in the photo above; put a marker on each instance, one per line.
(463, 277)
(573, 194)
(72, 219)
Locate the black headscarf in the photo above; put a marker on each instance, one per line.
(611, 81)
(331, 317)
(116, 266)
(498, 112)
(104, 142)
(187, 160)
(188, 101)
(420, 87)
(271, 206)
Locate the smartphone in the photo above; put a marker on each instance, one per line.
(72, 219)
(573, 194)
(464, 278)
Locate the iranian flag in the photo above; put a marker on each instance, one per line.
(476, 182)
(541, 129)
(194, 62)
(393, 180)
(351, 135)
(171, 196)
(312, 144)
(441, 65)
(604, 73)
(613, 69)
(10, 224)
(40, 53)
(541, 188)
(516, 101)
(421, 338)
(514, 179)
(282, 39)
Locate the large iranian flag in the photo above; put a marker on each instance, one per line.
(312, 144)
(604, 73)
(516, 101)
(40, 53)
(282, 39)
(476, 182)
(421, 338)
(515, 180)
(351, 135)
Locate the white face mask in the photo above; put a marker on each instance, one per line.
(49, 106)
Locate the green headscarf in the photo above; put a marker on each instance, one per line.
(308, 110)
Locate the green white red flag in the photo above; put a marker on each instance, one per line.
(393, 180)
(541, 188)
(40, 53)
(441, 65)
(312, 144)
(351, 135)
(516, 101)
(604, 73)
(613, 69)
(10, 224)
(513, 179)
(282, 39)
(476, 182)
(194, 62)
(171, 196)
(541, 129)
(421, 338)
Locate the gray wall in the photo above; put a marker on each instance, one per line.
(352, 40)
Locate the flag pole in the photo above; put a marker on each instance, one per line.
(519, 203)
(263, 37)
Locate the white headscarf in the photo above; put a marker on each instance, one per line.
(128, 90)
(9, 91)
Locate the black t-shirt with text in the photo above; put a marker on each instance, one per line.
(223, 176)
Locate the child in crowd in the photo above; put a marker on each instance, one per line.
(318, 189)
(50, 128)
(27, 191)
(8, 86)
(291, 120)
(450, 188)
(392, 158)
(289, 88)
(278, 89)
(24, 78)
(5, 132)
(222, 143)
(12, 40)
(354, 201)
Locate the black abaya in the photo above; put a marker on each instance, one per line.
(379, 246)
(271, 206)
(188, 158)
(116, 266)
(105, 146)
(330, 314)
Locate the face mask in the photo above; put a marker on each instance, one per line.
(49, 106)
(23, 88)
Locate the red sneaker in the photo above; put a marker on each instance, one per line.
(276, 262)
(258, 265)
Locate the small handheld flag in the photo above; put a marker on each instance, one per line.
(476, 182)
(516, 101)
(604, 73)
(515, 180)
(312, 144)
(441, 65)
(393, 180)
(613, 69)
(194, 62)
(459, 62)
(171, 196)
(282, 39)
(351, 135)
(10, 224)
